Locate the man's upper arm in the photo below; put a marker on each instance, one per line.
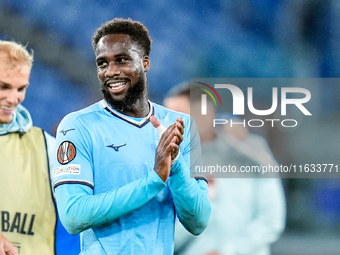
(72, 156)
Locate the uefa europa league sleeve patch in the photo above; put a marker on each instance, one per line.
(66, 152)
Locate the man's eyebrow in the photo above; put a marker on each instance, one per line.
(100, 57)
(4, 83)
(9, 85)
(122, 54)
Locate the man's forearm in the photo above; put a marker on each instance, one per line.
(80, 210)
(190, 198)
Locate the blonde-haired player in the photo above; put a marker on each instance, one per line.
(27, 210)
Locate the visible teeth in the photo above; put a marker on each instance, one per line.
(6, 108)
(115, 85)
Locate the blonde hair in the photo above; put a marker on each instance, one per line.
(16, 55)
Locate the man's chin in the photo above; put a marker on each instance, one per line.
(119, 104)
(118, 97)
(5, 120)
(126, 101)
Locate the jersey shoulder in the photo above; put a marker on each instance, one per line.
(163, 111)
(85, 113)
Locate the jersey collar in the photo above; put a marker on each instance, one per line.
(21, 122)
(137, 123)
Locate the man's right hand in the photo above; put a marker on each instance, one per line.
(168, 147)
(6, 247)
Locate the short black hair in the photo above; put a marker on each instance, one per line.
(136, 30)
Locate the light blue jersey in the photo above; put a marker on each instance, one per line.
(106, 187)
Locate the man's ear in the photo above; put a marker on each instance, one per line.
(146, 63)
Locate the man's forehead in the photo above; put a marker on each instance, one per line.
(13, 68)
(11, 65)
(116, 42)
(4, 59)
(15, 77)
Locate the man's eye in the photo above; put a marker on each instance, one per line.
(122, 60)
(101, 64)
(22, 89)
(2, 87)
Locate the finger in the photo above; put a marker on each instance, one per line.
(167, 135)
(179, 127)
(180, 120)
(12, 252)
(175, 151)
(154, 121)
(170, 147)
(172, 135)
(175, 130)
(160, 128)
(178, 134)
(10, 249)
(174, 145)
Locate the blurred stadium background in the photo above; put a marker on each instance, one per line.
(210, 39)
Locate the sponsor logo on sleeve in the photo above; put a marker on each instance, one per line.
(69, 169)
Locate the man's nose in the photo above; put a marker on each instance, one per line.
(13, 97)
(112, 70)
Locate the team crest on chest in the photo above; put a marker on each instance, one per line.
(66, 152)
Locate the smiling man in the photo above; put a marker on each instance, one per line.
(14, 79)
(121, 177)
(28, 214)
(124, 88)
